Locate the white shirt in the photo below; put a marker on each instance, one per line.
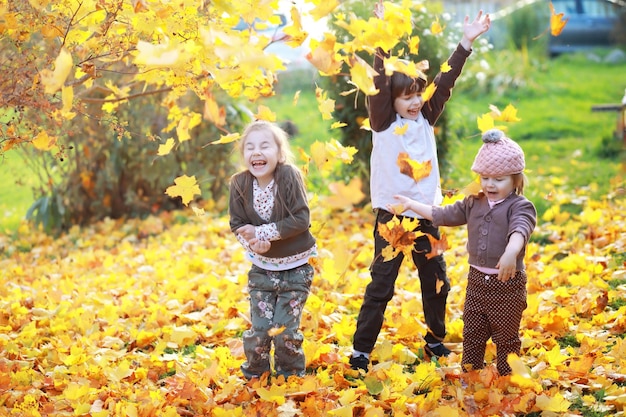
(386, 180)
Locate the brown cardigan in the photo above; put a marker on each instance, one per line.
(489, 229)
(293, 225)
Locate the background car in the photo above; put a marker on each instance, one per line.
(591, 24)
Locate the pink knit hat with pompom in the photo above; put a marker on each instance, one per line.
(498, 156)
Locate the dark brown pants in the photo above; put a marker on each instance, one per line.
(381, 289)
(493, 309)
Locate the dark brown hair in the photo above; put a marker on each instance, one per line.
(403, 84)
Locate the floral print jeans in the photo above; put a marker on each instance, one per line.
(277, 299)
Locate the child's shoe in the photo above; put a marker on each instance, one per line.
(359, 362)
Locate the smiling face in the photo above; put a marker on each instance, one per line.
(497, 188)
(261, 155)
(407, 95)
(408, 105)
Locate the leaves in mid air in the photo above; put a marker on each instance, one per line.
(557, 22)
(487, 121)
(185, 187)
(400, 234)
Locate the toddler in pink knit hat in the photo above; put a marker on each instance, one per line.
(499, 223)
(499, 156)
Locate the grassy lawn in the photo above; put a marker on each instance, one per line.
(15, 191)
(566, 144)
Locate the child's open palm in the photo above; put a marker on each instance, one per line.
(480, 25)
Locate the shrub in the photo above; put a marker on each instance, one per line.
(111, 169)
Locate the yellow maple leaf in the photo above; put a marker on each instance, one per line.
(435, 27)
(555, 403)
(509, 114)
(295, 32)
(414, 169)
(43, 142)
(429, 91)
(400, 130)
(337, 150)
(338, 125)
(445, 67)
(472, 188)
(198, 211)
(54, 80)
(485, 122)
(157, 56)
(521, 375)
(345, 196)
(557, 23)
(166, 148)
(231, 137)
(325, 105)
(119, 372)
(412, 69)
(186, 123)
(186, 187)
(275, 394)
(296, 97)
(319, 154)
(555, 357)
(323, 55)
(362, 75)
(323, 8)
(414, 45)
(265, 113)
(213, 112)
(67, 96)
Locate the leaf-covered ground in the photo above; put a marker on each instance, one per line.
(144, 318)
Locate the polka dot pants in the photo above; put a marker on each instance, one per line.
(493, 309)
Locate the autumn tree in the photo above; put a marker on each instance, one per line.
(133, 83)
(110, 100)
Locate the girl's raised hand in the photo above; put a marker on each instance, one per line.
(379, 9)
(480, 25)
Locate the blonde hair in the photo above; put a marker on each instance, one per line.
(285, 155)
(519, 182)
(287, 177)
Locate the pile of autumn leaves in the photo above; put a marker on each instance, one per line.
(144, 318)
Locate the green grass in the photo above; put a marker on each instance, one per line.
(15, 191)
(568, 147)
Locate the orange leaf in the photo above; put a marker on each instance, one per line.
(557, 23)
(275, 331)
(414, 169)
(438, 246)
(323, 56)
(400, 235)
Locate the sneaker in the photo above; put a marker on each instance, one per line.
(359, 362)
(437, 351)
